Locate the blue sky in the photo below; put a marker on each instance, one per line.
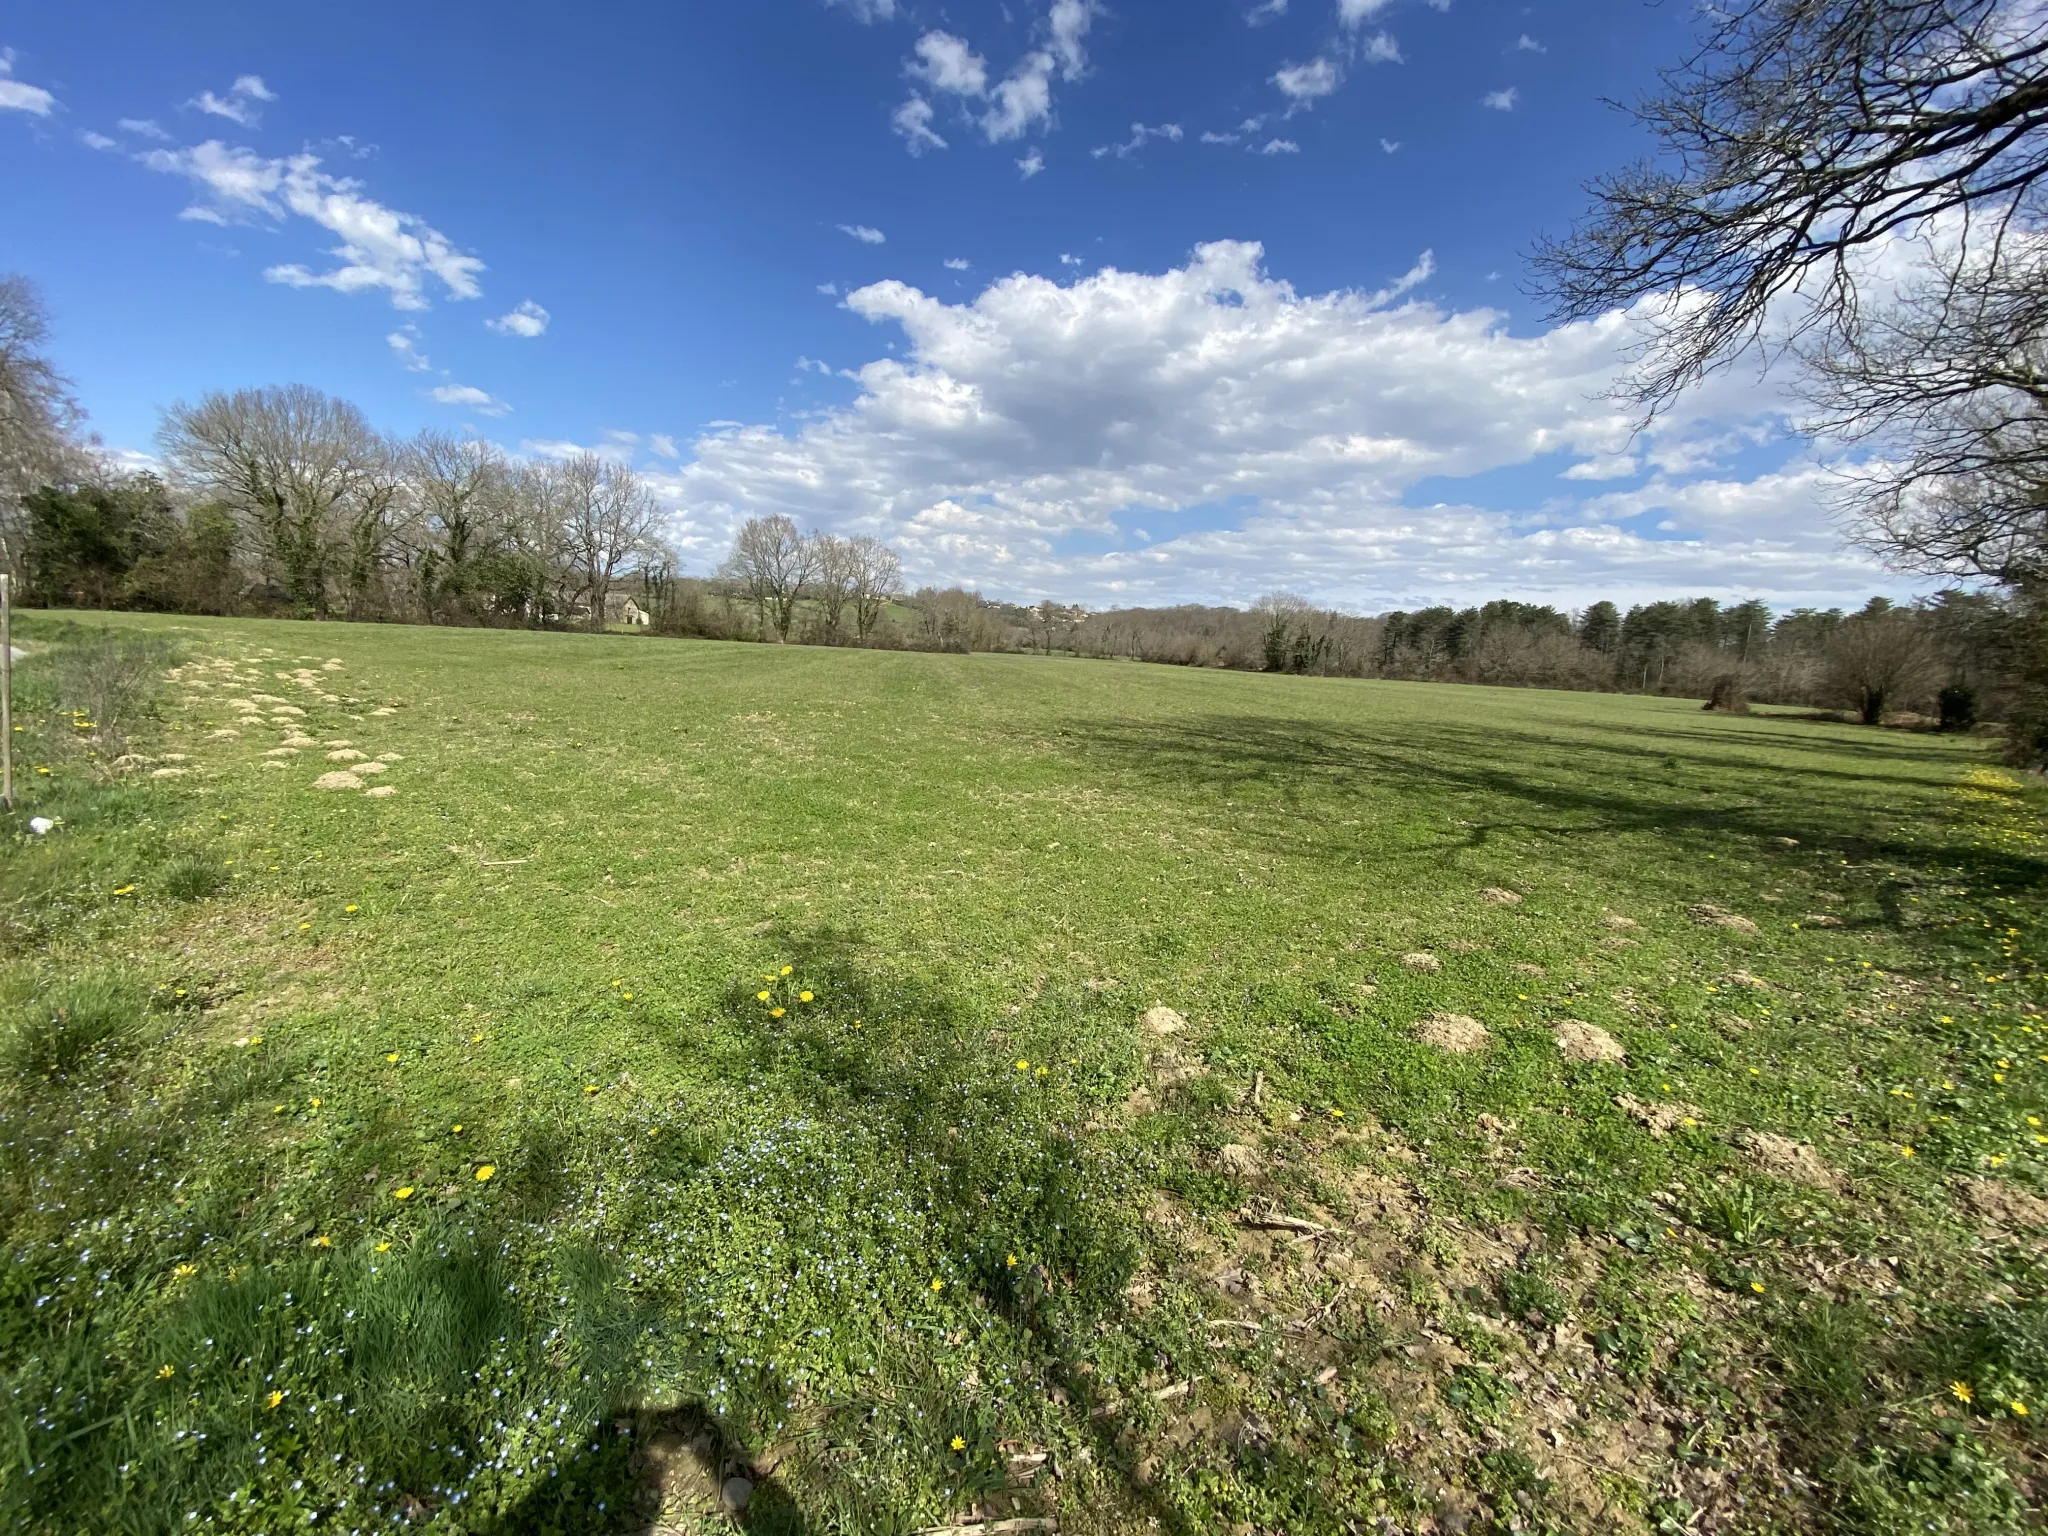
(1123, 303)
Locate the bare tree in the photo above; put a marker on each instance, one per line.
(304, 471)
(834, 581)
(771, 564)
(1055, 621)
(1799, 135)
(458, 489)
(608, 515)
(1879, 658)
(877, 581)
(37, 414)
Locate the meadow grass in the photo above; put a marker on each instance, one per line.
(731, 1061)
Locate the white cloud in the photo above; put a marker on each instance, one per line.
(830, 290)
(1031, 164)
(868, 10)
(957, 263)
(812, 365)
(1380, 48)
(468, 395)
(17, 96)
(1271, 10)
(1352, 13)
(1500, 101)
(946, 63)
(865, 234)
(1221, 138)
(913, 121)
(1042, 410)
(1527, 44)
(381, 248)
(1022, 101)
(1278, 147)
(661, 445)
(239, 105)
(1140, 135)
(93, 140)
(142, 128)
(525, 319)
(1388, 146)
(1069, 22)
(1069, 261)
(405, 345)
(1305, 84)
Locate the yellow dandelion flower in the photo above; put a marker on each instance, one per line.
(456, 1129)
(1023, 1065)
(760, 997)
(1960, 1391)
(959, 1444)
(391, 1055)
(351, 907)
(323, 1241)
(787, 969)
(186, 1271)
(314, 1102)
(385, 1246)
(627, 996)
(273, 1400)
(403, 1192)
(618, 983)
(1010, 1260)
(2020, 1409)
(803, 997)
(937, 1286)
(167, 1372)
(1336, 1113)
(485, 1173)
(278, 1110)
(1041, 1072)
(590, 1087)
(476, 1039)
(776, 1013)
(1757, 1286)
(126, 890)
(304, 926)
(1907, 1152)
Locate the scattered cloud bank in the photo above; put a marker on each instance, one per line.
(1267, 438)
(1002, 110)
(381, 248)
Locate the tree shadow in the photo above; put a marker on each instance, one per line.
(1566, 789)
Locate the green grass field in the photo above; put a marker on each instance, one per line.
(721, 1061)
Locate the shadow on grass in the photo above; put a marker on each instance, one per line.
(1565, 788)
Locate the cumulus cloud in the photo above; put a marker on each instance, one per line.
(865, 234)
(381, 248)
(913, 121)
(957, 263)
(1306, 84)
(1380, 48)
(1140, 135)
(526, 319)
(1031, 164)
(1527, 44)
(239, 105)
(1041, 413)
(19, 95)
(1278, 147)
(1500, 101)
(475, 399)
(946, 63)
